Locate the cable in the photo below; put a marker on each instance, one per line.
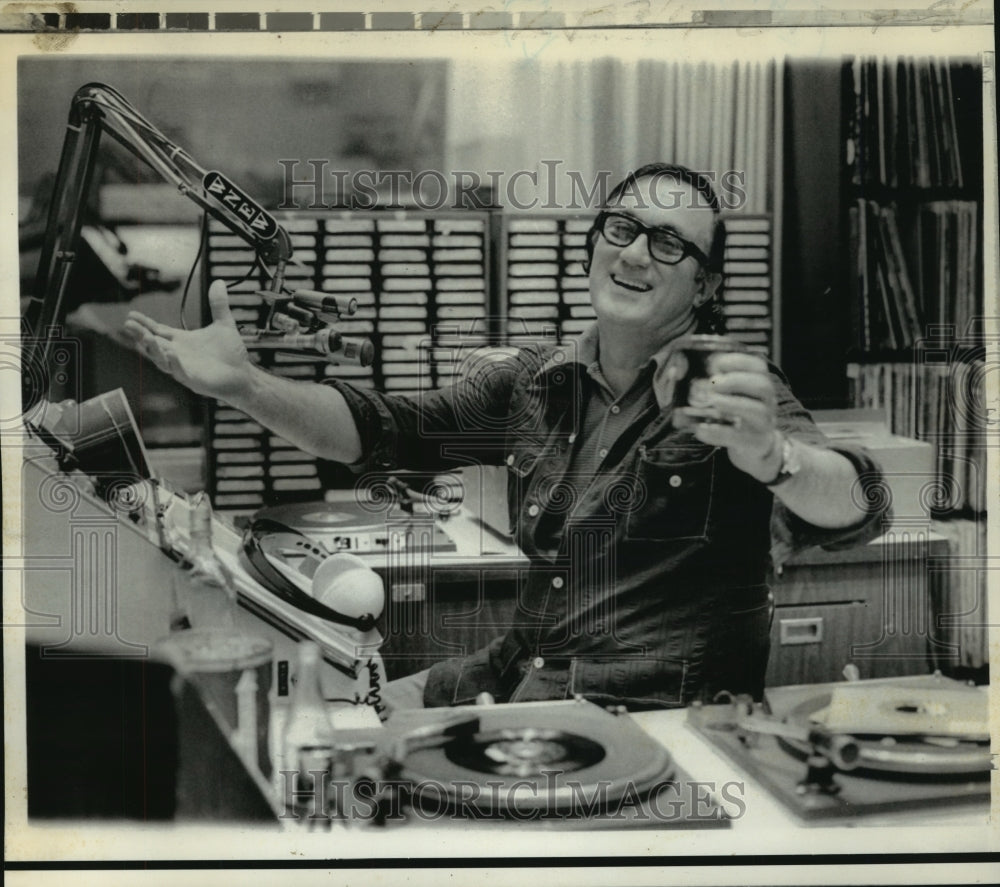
(257, 265)
(187, 284)
(374, 697)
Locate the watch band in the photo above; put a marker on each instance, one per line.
(789, 464)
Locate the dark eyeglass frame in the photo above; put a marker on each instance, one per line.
(652, 234)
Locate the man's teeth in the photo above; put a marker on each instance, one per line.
(634, 285)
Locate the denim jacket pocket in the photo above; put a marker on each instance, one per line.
(671, 494)
(635, 681)
(521, 462)
(459, 681)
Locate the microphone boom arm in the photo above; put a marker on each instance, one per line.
(97, 108)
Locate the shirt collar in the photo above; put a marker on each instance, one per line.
(583, 350)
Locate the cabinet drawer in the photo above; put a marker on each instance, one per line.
(816, 576)
(813, 644)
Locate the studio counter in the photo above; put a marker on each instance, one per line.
(161, 752)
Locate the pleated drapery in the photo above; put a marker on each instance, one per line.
(551, 120)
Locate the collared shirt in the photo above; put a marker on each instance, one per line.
(648, 568)
(606, 417)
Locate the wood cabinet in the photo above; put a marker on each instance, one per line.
(870, 606)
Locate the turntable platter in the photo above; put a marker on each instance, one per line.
(592, 759)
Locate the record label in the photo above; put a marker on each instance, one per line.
(524, 752)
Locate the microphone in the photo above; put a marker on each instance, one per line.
(327, 343)
(343, 349)
(325, 303)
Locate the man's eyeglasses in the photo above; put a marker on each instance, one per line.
(664, 246)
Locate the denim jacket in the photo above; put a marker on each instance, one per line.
(657, 593)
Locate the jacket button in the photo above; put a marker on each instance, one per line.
(675, 480)
(533, 510)
(615, 409)
(538, 662)
(557, 582)
(572, 437)
(510, 459)
(602, 452)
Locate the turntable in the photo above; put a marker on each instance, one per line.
(564, 764)
(358, 528)
(861, 747)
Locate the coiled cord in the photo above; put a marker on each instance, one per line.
(374, 697)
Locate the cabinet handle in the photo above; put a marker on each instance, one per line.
(801, 631)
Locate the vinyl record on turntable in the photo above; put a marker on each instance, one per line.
(546, 757)
(955, 711)
(348, 526)
(321, 517)
(908, 729)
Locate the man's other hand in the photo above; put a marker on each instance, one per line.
(740, 391)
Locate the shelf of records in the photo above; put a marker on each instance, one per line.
(938, 397)
(912, 122)
(911, 269)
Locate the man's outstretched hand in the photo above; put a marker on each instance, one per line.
(212, 361)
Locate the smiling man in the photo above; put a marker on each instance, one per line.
(649, 531)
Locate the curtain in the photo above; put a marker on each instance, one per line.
(603, 117)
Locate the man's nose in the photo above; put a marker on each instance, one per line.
(637, 252)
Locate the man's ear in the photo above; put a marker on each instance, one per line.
(709, 285)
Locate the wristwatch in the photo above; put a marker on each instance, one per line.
(790, 463)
